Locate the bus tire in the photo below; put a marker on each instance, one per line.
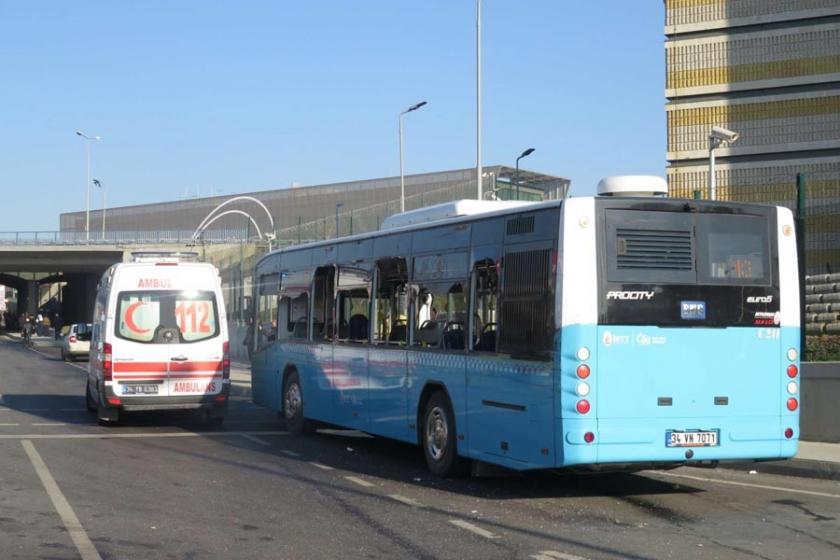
(293, 412)
(439, 438)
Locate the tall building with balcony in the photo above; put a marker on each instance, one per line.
(770, 70)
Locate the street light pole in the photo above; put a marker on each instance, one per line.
(98, 184)
(479, 194)
(402, 177)
(337, 206)
(89, 139)
(526, 153)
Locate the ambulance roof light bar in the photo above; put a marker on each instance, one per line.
(163, 256)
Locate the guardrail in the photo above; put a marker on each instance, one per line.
(123, 237)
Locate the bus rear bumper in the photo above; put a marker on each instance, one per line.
(643, 440)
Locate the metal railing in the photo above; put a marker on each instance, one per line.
(180, 237)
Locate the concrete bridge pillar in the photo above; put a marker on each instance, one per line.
(78, 297)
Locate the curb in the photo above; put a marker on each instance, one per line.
(801, 468)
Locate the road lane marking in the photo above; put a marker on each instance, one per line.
(555, 555)
(138, 435)
(255, 439)
(290, 453)
(77, 533)
(360, 481)
(321, 466)
(9, 424)
(72, 409)
(746, 484)
(405, 500)
(473, 528)
(49, 424)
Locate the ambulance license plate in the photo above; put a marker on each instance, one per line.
(139, 389)
(691, 438)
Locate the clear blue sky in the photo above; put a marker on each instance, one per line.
(249, 95)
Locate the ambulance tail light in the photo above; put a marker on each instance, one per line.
(226, 360)
(107, 364)
(792, 404)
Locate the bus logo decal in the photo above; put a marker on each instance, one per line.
(693, 310)
(630, 295)
(760, 299)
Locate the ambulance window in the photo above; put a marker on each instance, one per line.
(143, 316)
(138, 316)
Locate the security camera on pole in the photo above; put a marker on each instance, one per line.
(717, 137)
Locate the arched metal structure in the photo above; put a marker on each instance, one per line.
(197, 233)
(209, 219)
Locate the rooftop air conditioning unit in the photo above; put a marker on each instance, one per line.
(633, 185)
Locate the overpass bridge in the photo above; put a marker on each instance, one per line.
(31, 260)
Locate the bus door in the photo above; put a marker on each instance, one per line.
(349, 373)
(264, 335)
(510, 370)
(387, 398)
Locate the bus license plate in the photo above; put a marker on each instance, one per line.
(140, 390)
(691, 439)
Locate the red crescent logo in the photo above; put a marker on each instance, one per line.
(129, 317)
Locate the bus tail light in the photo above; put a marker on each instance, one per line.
(789, 433)
(589, 437)
(792, 371)
(107, 364)
(226, 360)
(583, 406)
(583, 371)
(72, 338)
(792, 404)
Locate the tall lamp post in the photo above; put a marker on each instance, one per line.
(526, 153)
(98, 185)
(88, 139)
(402, 177)
(717, 137)
(478, 177)
(337, 206)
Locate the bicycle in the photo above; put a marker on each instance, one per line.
(27, 338)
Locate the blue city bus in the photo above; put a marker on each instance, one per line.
(593, 332)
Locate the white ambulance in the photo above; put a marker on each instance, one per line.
(160, 339)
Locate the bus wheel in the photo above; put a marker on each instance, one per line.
(439, 438)
(296, 423)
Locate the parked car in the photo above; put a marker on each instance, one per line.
(76, 343)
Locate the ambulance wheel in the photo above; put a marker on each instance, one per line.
(213, 421)
(296, 423)
(91, 406)
(107, 416)
(438, 438)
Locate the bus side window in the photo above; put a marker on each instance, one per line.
(391, 302)
(323, 304)
(353, 304)
(485, 306)
(440, 313)
(268, 290)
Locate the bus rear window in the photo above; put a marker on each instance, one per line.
(142, 315)
(687, 248)
(733, 249)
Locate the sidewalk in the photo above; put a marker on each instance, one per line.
(813, 460)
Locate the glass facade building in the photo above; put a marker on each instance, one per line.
(770, 70)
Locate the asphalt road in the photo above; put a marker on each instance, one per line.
(162, 486)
